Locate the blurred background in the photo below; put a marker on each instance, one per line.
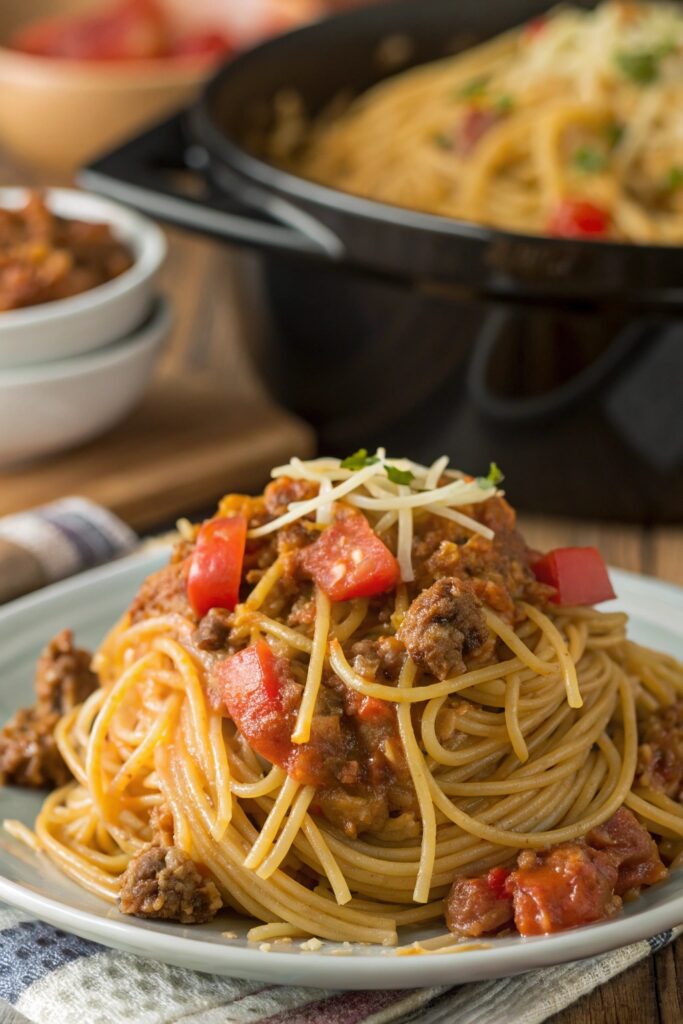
(266, 320)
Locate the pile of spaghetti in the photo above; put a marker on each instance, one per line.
(343, 695)
(569, 126)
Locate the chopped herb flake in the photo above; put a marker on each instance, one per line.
(443, 141)
(359, 460)
(614, 133)
(504, 104)
(589, 159)
(399, 476)
(474, 88)
(495, 477)
(642, 66)
(674, 178)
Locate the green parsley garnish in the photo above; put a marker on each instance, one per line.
(674, 178)
(359, 460)
(474, 88)
(495, 477)
(504, 104)
(642, 66)
(589, 159)
(443, 141)
(614, 133)
(399, 476)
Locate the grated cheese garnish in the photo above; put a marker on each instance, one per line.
(370, 488)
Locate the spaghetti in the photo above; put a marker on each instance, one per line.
(377, 715)
(567, 126)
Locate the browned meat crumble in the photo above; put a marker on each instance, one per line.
(660, 755)
(443, 625)
(28, 752)
(163, 882)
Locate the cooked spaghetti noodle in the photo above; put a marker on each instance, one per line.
(570, 125)
(340, 795)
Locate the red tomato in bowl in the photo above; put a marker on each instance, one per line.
(209, 43)
(133, 29)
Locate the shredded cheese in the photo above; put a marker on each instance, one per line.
(388, 504)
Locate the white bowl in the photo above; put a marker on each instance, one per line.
(47, 408)
(93, 319)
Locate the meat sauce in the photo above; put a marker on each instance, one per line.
(354, 756)
(560, 887)
(660, 755)
(44, 257)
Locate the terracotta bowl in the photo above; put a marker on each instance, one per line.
(56, 114)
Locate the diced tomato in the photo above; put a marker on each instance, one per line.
(565, 886)
(250, 678)
(534, 28)
(496, 880)
(131, 29)
(577, 218)
(247, 686)
(476, 122)
(372, 710)
(348, 560)
(254, 688)
(216, 564)
(579, 576)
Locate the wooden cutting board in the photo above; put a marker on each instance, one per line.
(186, 445)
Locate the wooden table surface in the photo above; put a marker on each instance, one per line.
(208, 338)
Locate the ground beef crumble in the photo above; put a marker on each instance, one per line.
(660, 755)
(28, 752)
(163, 593)
(163, 882)
(213, 631)
(444, 624)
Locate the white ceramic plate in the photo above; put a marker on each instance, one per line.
(89, 604)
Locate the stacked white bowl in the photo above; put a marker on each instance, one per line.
(72, 368)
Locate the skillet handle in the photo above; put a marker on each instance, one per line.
(538, 408)
(161, 174)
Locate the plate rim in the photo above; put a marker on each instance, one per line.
(321, 969)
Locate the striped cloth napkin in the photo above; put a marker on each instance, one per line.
(49, 977)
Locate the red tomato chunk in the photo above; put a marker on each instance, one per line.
(216, 564)
(348, 560)
(475, 124)
(579, 575)
(127, 30)
(132, 29)
(576, 218)
(560, 887)
(251, 686)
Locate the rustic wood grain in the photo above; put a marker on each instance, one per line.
(186, 445)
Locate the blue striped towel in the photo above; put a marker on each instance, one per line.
(49, 977)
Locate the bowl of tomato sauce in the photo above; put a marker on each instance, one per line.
(77, 76)
(77, 273)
